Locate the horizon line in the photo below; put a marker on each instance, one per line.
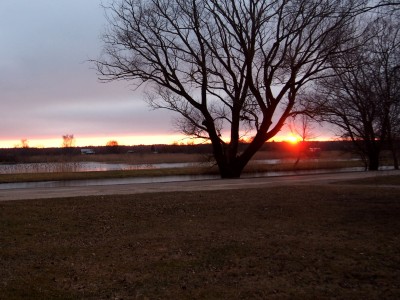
(57, 143)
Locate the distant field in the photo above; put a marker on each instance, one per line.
(295, 242)
(328, 160)
(153, 158)
(131, 158)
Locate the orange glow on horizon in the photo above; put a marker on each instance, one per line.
(290, 138)
(98, 141)
(80, 141)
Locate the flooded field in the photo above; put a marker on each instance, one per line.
(159, 179)
(54, 167)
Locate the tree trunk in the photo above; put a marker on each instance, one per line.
(230, 171)
(394, 154)
(395, 161)
(229, 165)
(373, 161)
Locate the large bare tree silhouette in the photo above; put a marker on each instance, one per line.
(230, 68)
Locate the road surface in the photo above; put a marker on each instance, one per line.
(201, 185)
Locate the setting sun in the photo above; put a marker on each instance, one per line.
(291, 139)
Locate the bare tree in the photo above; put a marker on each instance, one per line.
(113, 146)
(112, 143)
(68, 141)
(389, 4)
(24, 144)
(301, 126)
(230, 68)
(362, 98)
(394, 114)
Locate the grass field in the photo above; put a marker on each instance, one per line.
(339, 241)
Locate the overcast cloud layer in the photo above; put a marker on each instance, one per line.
(47, 86)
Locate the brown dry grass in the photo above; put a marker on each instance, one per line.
(129, 158)
(33, 177)
(377, 181)
(154, 158)
(334, 242)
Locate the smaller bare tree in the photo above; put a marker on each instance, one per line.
(361, 98)
(112, 146)
(301, 125)
(394, 117)
(112, 143)
(68, 141)
(24, 143)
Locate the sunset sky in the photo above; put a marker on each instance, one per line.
(49, 89)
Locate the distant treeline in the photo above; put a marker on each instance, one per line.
(13, 154)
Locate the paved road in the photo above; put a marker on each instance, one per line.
(201, 185)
